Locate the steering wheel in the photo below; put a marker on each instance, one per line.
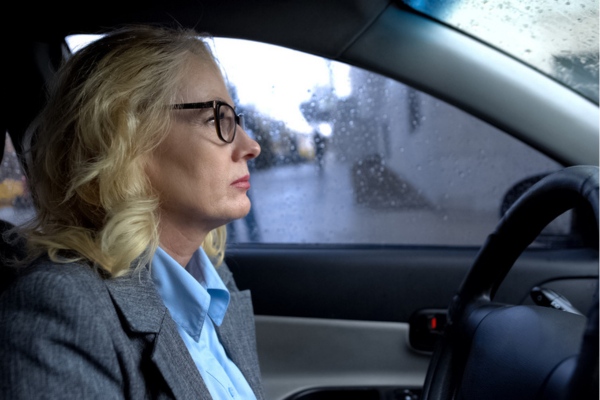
(496, 351)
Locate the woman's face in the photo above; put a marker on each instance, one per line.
(201, 181)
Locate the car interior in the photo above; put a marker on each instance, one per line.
(387, 309)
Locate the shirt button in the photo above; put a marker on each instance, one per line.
(231, 392)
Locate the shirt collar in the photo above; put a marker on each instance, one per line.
(191, 293)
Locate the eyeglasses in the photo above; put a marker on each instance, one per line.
(226, 120)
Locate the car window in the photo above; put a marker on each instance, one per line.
(352, 157)
(349, 156)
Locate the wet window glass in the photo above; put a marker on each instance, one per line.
(559, 38)
(352, 157)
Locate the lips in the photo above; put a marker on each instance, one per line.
(242, 183)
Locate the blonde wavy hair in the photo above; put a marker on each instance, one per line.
(106, 112)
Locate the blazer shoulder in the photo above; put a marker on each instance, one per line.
(55, 294)
(44, 279)
(57, 320)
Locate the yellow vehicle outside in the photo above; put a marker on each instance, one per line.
(10, 189)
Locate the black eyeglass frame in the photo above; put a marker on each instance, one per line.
(216, 106)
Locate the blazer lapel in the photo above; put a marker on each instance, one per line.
(237, 332)
(176, 364)
(140, 304)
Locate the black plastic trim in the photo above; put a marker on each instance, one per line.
(381, 283)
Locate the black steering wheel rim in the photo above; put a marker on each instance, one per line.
(573, 187)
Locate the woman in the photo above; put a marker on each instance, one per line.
(135, 166)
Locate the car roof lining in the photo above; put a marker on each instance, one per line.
(291, 23)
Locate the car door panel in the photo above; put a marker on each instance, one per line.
(306, 353)
(338, 317)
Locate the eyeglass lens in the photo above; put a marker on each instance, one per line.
(227, 122)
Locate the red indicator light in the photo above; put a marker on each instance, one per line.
(433, 323)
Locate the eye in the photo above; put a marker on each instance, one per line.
(203, 117)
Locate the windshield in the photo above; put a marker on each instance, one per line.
(557, 37)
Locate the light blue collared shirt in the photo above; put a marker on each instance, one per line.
(190, 295)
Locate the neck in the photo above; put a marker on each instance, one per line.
(180, 243)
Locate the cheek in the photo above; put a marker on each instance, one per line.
(188, 169)
(189, 166)
(168, 165)
(153, 172)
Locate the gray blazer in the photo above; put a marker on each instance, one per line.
(66, 333)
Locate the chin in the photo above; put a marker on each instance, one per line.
(241, 210)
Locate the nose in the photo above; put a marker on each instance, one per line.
(247, 148)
